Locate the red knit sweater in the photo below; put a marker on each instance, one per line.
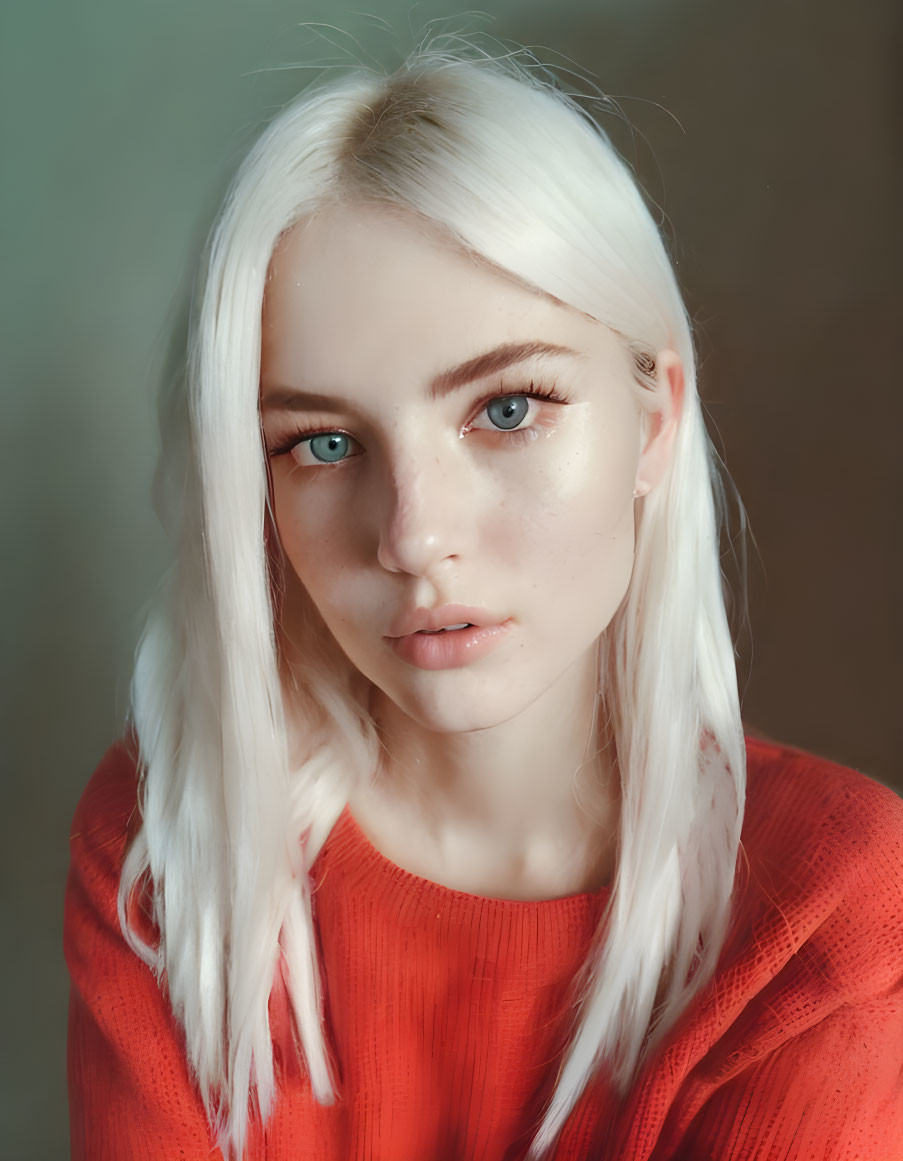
(446, 1010)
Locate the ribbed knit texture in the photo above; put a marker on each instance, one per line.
(447, 1012)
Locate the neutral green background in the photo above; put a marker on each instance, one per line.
(764, 130)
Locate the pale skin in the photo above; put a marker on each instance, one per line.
(493, 780)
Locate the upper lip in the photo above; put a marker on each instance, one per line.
(413, 621)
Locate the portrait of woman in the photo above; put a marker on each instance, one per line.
(436, 832)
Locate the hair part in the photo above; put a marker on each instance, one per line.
(234, 810)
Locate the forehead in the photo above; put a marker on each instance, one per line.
(369, 292)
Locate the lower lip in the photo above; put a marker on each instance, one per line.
(452, 649)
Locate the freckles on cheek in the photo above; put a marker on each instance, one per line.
(306, 522)
(521, 526)
(530, 501)
(308, 546)
(340, 590)
(585, 496)
(592, 536)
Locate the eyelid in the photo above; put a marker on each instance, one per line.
(286, 445)
(550, 394)
(535, 390)
(308, 438)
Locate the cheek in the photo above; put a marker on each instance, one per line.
(315, 545)
(574, 517)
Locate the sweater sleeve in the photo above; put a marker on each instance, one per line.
(816, 1070)
(130, 1093)
(833, 1093)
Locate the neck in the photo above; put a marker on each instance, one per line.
(523, 809)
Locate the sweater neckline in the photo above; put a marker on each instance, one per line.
(349, 843)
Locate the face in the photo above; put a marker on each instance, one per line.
(446, 447)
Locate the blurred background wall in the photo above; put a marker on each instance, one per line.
(766, 134)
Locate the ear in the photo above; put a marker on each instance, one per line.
(661, 422)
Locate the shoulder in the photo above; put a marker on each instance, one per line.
(131, 1093)
(778, 768)
(822, 859)
(107, 812)
(797, 1040)
(105, 818)
(809, 807)
(110, 799)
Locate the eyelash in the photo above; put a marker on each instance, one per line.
(515, 436)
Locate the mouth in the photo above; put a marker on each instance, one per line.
(450, 646)
(446, 629)
(449, 618)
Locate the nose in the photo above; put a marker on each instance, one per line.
(425, 517)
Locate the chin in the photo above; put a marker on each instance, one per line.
(459, 721)
(457, 707)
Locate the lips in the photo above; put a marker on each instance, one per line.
(424, 620)
(452, 649)
(448, 637)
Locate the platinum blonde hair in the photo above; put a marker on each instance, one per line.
(517, 172)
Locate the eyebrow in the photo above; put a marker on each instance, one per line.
(479, 367)
(491, 362)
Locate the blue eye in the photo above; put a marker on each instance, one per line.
(508, 411)
(324, 447)
(330, 447)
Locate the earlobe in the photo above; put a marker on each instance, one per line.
(664, 420)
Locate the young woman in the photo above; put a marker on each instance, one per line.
(426, 841)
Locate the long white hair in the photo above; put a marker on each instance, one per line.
(516, 171)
